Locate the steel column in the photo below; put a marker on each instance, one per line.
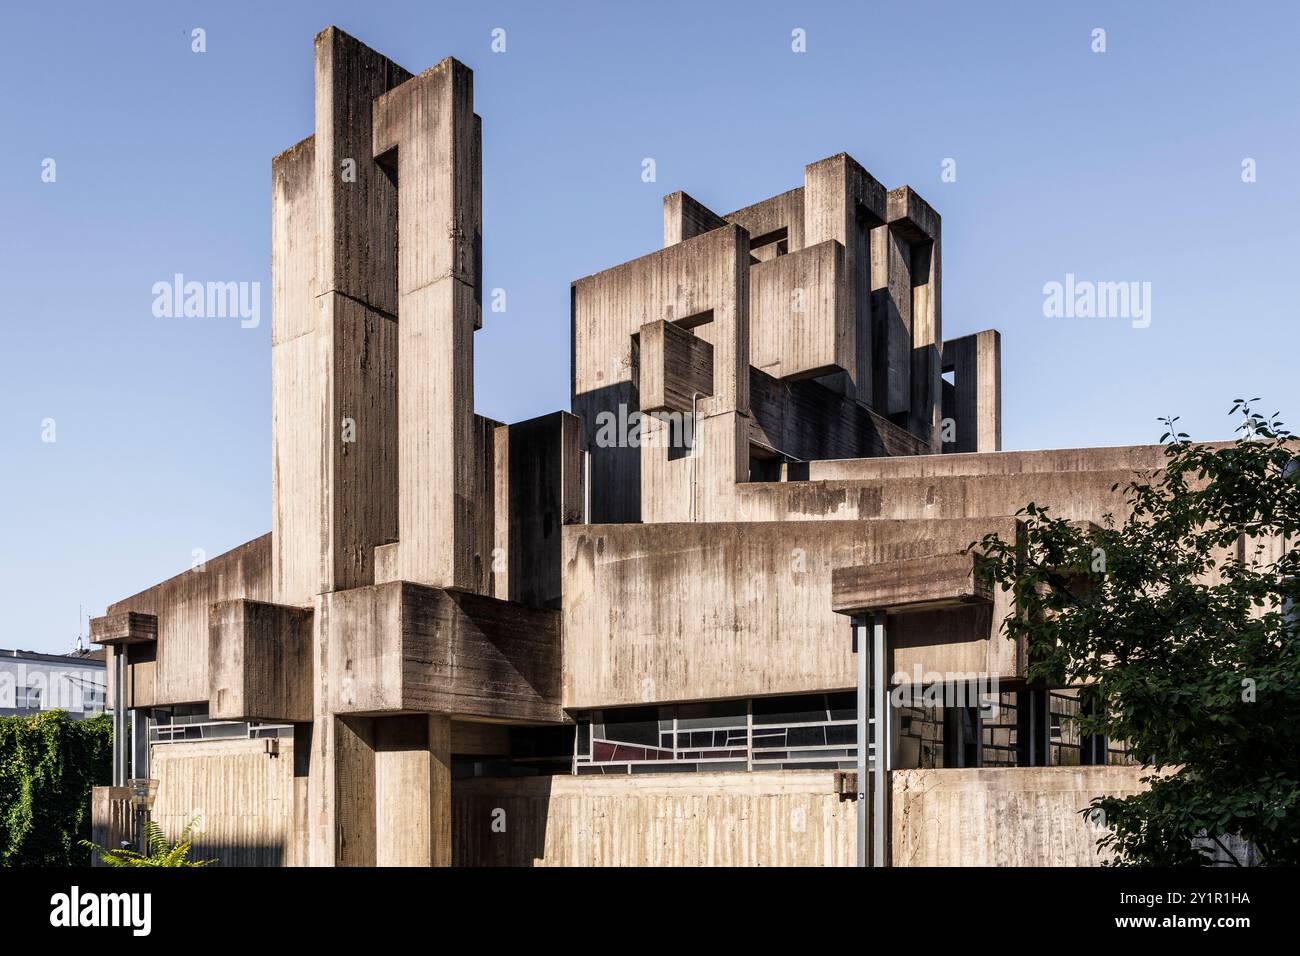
(880, 812)
(860, 646)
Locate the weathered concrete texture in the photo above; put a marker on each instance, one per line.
(773, 221)
(298, 374)
(1129, 459)
(357, 217)
(124, 627)
(685, 218)
(1015, 816)
(699, 485)
(175, 670)
(1084, 496)
(915, 584)
(356, 273)
(239, 793)
(801, 320)
(843, 202)
(112, 819)
(675, 368)
(701, 283)
(425, 131)
(994, 817)
(791, 818)
(259, 662)
(987, 817)
(669, 612)
(807, 421)
(538, 483)
(912, 220)
(393, 791)
(404, 647)
(974, 401)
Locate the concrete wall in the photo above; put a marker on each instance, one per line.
(1126, 458)
(999, 817)
(1015, 816)
(242, 795)
(790, 818)
(670, 612)
(174, 670)
(987, 817)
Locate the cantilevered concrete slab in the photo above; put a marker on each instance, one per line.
(911, 585)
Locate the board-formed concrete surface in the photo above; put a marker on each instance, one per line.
(760, 437)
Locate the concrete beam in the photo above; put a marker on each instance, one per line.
(675, 366)
(403, 647)
(772, 222)
(124, 627)
(801, 317)
(259, 662)
(914, 584)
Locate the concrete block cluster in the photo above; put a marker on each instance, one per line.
(762, 440)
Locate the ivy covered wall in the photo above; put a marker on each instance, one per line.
(48, 763)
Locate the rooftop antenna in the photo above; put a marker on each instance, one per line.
(80, 615)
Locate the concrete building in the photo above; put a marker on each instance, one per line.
(652, 629)
(31, 682)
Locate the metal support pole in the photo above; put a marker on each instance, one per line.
(139, 742)
(880, 815)
(120, 736)
(860, 646)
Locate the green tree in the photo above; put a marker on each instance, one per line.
(48, 763)
(1181, 623)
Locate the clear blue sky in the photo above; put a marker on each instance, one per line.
(1122, 166)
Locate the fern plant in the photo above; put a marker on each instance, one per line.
(160, 851)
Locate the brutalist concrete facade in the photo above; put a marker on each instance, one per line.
(763, 451)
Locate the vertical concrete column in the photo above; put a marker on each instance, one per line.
(974, 400)
(537, 485)
(426, 134)
(356, 469)
(297, 380)
(393, 790)
(356, 271)
(914, 223)
(355, 782)
(411, 800)
(844, 202)
(891, 291)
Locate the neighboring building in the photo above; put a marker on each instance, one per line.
(595, 637)
(32, 682)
